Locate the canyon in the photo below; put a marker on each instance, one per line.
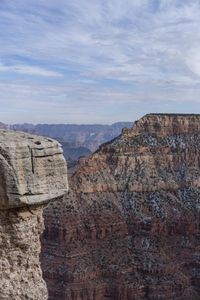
(126, 228)
(129, 227)
(32, 172)
(76, 140)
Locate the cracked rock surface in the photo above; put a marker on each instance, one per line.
(32, 173)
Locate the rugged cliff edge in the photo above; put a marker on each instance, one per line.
(32, 172)
(129, 228)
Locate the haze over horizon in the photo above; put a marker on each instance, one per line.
(98, 61)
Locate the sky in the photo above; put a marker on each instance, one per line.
(98, 61)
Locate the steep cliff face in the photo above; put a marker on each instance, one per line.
(129, 229)
(32, 173)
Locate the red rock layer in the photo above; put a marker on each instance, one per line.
(129, 229)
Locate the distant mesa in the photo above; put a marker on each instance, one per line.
(76, 140)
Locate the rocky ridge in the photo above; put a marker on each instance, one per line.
(129, 228)
(32, 173)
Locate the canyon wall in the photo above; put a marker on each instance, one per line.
(32, 173)
(129, 228)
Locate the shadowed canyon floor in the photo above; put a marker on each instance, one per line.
(129, 228)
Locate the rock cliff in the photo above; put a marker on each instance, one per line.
(129, 229)
(32, 173)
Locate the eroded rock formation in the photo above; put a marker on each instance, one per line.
(129, 228)
(32, 172)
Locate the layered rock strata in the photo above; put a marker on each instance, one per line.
(129, 229)
(32, 173)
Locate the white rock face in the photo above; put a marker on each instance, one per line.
(32, 170)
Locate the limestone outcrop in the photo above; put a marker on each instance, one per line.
(32, 173)
(129, 228)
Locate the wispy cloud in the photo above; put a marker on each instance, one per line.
(28, 70)
(97, 56)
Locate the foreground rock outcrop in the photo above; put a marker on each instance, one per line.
(129, 229)
(32, 173)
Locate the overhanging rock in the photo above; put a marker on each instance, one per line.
(32, 170)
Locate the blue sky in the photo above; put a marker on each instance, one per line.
(98, 61)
